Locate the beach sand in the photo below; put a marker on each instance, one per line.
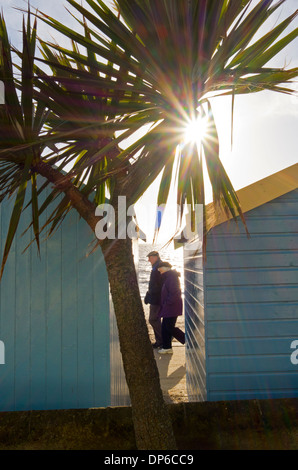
(171, 366)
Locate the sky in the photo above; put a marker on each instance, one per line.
(265, 124)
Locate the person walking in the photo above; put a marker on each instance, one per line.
(171, 307)
(153, 297)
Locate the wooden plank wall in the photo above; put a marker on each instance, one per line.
(119, 389)
(194, 308)
(54, 320)
(251, 306)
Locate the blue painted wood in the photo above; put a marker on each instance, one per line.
(194, 307)
(251, 304)
(253, 259)
(243, 328)
(248, 346)
(22, 320)
(7, 333)
(256, 225)
(101, 325)
(38, 328)
(85, 323)
(70, 314)
(252, 311)
(278, 207)
(259, 381)
(260, 394)
(54, 320)
(119, 389)
(250, 364)
(253, 276)
(258, 243)
(255, 293)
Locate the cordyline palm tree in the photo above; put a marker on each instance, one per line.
(153, 63)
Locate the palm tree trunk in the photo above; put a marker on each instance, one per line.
(152, 424)
(153, 427)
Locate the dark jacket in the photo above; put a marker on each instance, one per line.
(155, 284)
(171, 300)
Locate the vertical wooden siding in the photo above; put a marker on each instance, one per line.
(54, 320)
(252, 304)
(119, 389)
(194, 325)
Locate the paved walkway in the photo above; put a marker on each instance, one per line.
(171, 366)
(172, 374)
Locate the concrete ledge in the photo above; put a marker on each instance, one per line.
(237, 425)
(253, 424)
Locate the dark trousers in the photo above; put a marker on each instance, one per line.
(155, 322)
(168, 330)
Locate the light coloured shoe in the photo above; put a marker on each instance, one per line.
(165, 351)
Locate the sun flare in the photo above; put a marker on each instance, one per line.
(195, 131)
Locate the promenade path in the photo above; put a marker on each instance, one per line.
(172, 374)
(172, 371)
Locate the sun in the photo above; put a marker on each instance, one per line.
(195, 130)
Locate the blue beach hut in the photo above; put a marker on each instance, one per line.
(59, 345)
(241, 306)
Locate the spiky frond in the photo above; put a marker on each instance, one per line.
(116, 102)
(159, 63)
